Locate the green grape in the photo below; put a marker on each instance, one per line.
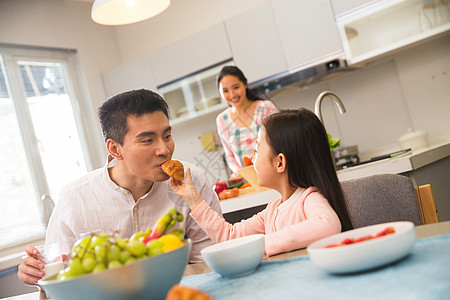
(75, 268)
(136, 248)
(130, 260)
(98, 268)
(153, 252)
(154, 247)
(124, 256)
(80, 247)
(114, 264)
(89, 263)
(114, 253)
(97, 240)
(136, 236)
(100, 252)
(121, 243)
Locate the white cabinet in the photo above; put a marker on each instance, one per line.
(344, 6)
(255, 43)
(186, 56)
(194, 95)
(385, 26)
(307, 31)
(135, 74)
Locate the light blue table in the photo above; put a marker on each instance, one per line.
(424, 274)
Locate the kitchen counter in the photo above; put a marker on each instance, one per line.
(400, 164)
(256, 198)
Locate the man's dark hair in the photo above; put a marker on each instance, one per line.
(114, 112)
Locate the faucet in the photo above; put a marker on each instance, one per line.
(318, 110)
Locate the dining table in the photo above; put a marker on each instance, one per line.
(423, 274)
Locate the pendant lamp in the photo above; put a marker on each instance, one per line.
(121, 12)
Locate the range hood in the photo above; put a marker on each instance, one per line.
(298, 78)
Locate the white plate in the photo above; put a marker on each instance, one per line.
(365, 255)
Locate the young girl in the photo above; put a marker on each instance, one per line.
(294, 158)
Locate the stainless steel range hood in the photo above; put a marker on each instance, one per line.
(270, 86)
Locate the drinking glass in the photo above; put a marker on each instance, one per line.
(50, 255)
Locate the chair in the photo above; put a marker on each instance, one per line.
(380, 199)
(427, 204)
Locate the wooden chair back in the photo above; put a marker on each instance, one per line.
(427, 204)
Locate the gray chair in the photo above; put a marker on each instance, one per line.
(380, 199)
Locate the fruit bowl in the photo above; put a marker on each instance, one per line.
(237, 257)
(149, 278)
(364, 255)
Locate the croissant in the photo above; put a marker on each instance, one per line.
(179, 292)
(174, 169)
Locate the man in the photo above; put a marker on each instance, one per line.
(131, 192)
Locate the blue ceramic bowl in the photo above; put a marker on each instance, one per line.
(149, 278)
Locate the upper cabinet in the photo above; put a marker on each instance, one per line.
(191, 54)
(307, 31)
(255, 43)
(385, 26)
(344, 6)
(135, 74)
(194, 95)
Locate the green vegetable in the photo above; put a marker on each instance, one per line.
(334, 143)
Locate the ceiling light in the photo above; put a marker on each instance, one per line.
(121, 12)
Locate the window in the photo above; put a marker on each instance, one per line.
(42, 144)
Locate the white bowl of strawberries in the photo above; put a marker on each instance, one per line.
(363, 248)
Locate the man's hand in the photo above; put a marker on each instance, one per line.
(186, 190)
(30, 268)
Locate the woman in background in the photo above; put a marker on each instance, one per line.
(239, 124)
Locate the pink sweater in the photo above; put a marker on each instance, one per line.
(293, 224)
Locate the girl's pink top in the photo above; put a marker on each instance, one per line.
(293, 224)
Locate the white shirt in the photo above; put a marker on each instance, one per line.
(95, 202)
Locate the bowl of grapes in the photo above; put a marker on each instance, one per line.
(106, 266)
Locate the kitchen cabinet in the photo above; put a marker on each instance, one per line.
(194, 95)
(186, 56)
(308, 31)
(382, 27)
(345, 6)
(255, 43)
(135, 74)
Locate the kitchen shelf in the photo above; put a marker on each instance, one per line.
(388, 25)
(194, 95)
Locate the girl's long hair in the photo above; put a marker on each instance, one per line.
(235, 71)
(301, 137)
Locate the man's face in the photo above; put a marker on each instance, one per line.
(147, 144)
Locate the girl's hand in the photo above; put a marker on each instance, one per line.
(186, 190)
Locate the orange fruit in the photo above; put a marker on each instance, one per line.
(171, 242)
(247, 161)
